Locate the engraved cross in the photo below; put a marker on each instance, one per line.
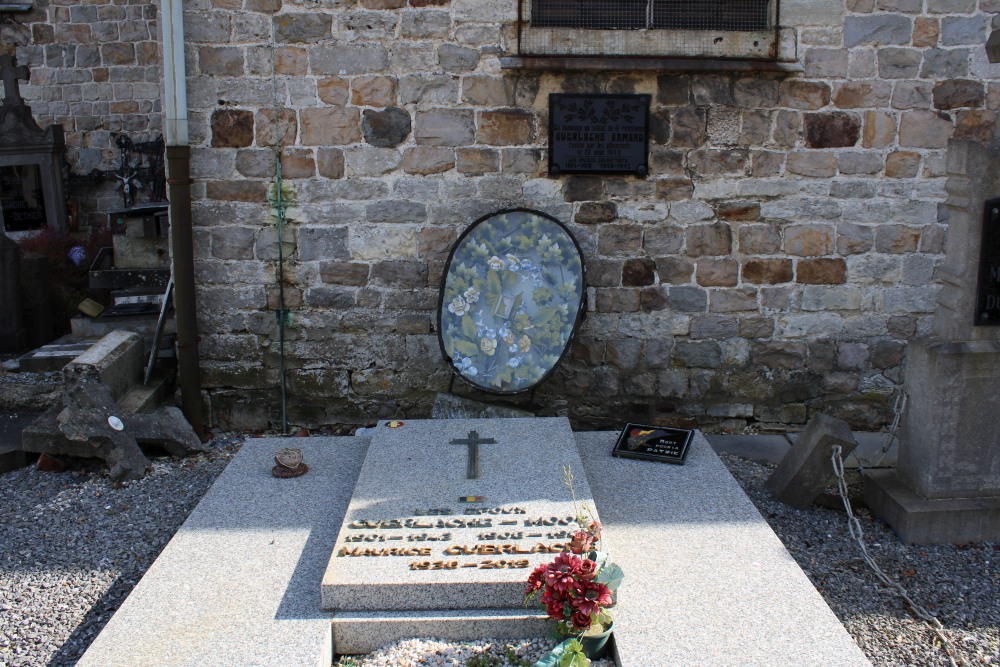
(11, 73)
(473, 441)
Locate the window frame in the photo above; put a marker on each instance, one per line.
(757, 45)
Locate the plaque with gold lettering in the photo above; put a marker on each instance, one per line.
(598, 134)
(653, 443)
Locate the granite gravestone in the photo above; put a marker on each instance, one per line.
(946, 487)
(421, 534)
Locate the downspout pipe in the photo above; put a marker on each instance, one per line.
(182, 236)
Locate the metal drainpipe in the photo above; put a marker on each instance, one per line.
(185, 311)
(179, 180)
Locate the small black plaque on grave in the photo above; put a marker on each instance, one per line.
(653, 443)
(598, 134)
(988, 290)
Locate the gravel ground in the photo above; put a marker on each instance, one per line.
(73, 544)
(959, 584)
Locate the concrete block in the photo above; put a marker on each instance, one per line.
(806, 469)
(115, 360)
(919, 520)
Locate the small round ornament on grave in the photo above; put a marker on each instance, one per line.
(288, 463)
(511, 300)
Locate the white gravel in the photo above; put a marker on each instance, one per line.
(73, 544)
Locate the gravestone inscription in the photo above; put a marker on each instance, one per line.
(421, 533)
(598, 134)
(988, 289)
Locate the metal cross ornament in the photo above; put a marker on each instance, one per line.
(473, 441)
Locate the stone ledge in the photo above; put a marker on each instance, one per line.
(918, 520)
(615, 64)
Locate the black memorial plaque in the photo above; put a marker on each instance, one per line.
(988, 290)
(653, 443)
(598, 134)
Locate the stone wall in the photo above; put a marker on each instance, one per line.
(776, 261)
(95, 69)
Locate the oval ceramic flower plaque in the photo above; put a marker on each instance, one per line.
(511, 300)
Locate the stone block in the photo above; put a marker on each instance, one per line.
(475, 161)
(804, 94)
(425, 160)
(325, 126)
(344, 59)
(687, 299)
(879, 129)
(877, 29)
(445, 127)
(832, 130)
(767, 271)
(116, 360)
(374, 91)
(806, 469)
(821, 271)
(506, 127)
(302, 27)
(713, 239)
(717, 272)
(333, 90)
(956, 93)
(638, 272)
(232, 128)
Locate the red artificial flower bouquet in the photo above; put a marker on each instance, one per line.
(577, 587)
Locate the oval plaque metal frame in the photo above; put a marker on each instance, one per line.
(479, 304)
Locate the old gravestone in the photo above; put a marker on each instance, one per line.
(947, 484)
(31, 184)
(431, 526)
(11, 325)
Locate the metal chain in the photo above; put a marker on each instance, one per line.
(854, 528)
(899, 406)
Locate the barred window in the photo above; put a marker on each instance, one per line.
(686, 28)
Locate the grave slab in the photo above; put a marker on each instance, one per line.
(707, 582)
(409, 542)
(239, 583)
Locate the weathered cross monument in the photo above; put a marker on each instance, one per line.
(947, 484)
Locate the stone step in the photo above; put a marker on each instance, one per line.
(363, 632)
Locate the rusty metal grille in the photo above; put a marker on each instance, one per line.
(684, 28)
